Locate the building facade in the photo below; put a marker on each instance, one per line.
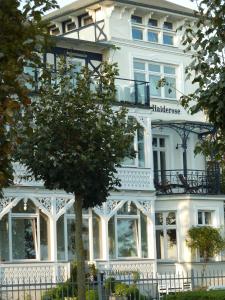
(165, 189)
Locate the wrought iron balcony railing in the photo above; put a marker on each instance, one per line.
(196, 182)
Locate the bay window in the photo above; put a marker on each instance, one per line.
(127, 232)
(153, 72)
(166, 235)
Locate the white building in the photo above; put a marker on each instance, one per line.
(165, 190)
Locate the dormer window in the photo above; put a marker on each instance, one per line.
(136, 19)
(153, 22)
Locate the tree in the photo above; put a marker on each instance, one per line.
(205, 37)
(207, 240)
(78, 140)
(22, 33)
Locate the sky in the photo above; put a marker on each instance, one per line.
(186, 3)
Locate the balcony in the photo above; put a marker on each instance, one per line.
(93, 32)
(195, 182)
(133, 92)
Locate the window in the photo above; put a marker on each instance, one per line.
(139, 146)
(167, 39)
(159, 158)
(153, 72)
(153, 36)
(24, 233)
(137, 33)
(166, 235)
(136, 19)
(66, 235)
(167, 25)
(204, 218)
(152, 22)
(128, 233)
(87, 20)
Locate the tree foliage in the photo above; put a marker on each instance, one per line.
(205, 39)
(77, 140)
(22, 34)
(207, 240)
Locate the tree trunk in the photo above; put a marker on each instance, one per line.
(79, 248)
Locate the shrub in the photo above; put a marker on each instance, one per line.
(91, 295)
(110, 285)
(63, 290)
(121, 289)
(197, 295)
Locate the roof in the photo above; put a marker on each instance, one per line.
(151, 4)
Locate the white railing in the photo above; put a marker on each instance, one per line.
(143, 266)
(131, 178)
(135, 179)
(20, 273)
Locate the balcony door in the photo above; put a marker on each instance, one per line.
(159, 158)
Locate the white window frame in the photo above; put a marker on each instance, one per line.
(161, 74)
(203, 217)
(164, 227)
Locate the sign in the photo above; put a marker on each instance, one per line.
(164, 109)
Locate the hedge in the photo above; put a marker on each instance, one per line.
(197, 295)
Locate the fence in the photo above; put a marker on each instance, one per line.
(114, 286)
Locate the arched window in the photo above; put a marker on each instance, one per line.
(24, 233)
(128, 233)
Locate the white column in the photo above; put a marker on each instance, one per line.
(53, 231)
(105, 239)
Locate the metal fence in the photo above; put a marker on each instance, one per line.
(113, 286)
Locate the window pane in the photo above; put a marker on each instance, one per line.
(96, 235)
(24, 238)
(159, 219)
(162, 142)
(171, 244)
(139, 65)
(127, 233)
(136, 19)
(60, 239)
(4, 239)
(155, 165)
(200, 218)
(153, 22)
(167, 39)
(169, 70)
(154, 68)
(154, 90)
(152, 36)
(112, 243)
(144, 241)
(154, 142)
(170, 87)
(71, 238)
(44, 236)
(208, 219)
(30, 74)
(168, 25)
(160, 244)
(141, 147)
(137, 33)
(129, 208)
(171, 218)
